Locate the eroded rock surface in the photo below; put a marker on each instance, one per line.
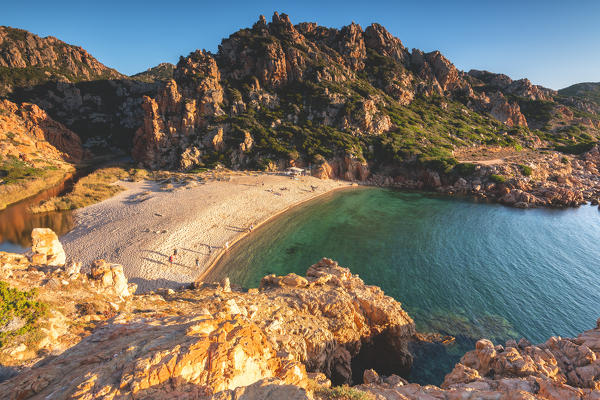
(287, 339)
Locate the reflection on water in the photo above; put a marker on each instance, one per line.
(17, 221)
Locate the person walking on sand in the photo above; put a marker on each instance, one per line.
(197, 262)
(171, 260)
(226, 246)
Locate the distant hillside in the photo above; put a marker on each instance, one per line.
(97, 102)
(162, 72)
(587, 91)
(27, 59)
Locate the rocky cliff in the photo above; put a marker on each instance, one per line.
(351, 103)
(36, 152)
(101, 105)
(342, 101)
(23, 53)
(86, 335)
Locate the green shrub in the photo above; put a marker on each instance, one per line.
(20, 306)
(497, 178)
(464, 169)
(342, 393)
(525, 169)
(564, 160)
(577, 148)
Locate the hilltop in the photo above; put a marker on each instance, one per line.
(351, 103)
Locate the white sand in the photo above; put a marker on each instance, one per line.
(141, 235)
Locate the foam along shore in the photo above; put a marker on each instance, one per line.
(142, 226)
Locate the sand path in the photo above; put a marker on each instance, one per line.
(196, 219)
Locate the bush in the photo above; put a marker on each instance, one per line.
(341, 393)
(464, 169)
(525, 169)
(497, 178)
(16, 305)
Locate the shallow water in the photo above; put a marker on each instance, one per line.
(462, 268)
(17, 221)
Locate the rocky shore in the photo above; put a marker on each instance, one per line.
(527, 180)
(293, 337)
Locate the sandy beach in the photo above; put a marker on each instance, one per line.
(141, 226)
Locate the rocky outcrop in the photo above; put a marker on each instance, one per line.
(503, 111)
(522, 87)
(29, 134)
(46, 248)
(98, 103)
(345, 80)
(22, 49)
(190, 356)
(558, 368)
(287, 339)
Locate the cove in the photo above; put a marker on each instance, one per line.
(462, 268)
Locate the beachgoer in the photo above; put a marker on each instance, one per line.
(251, 227)
(174, 252)
(171, 260)
(197, 262)
(226, 245)
(209, 249)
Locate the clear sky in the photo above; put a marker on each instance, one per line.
(554, 43)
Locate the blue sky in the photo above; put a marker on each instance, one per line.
(553, 43)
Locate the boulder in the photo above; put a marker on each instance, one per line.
(111, 276)
(46, 248)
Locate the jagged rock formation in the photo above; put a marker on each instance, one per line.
(286, 339)
(49, 56)
(36, 152)
(98, 103)
(307, 95)
(348, 103)
(29, 134)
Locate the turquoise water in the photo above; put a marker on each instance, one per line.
(462, 268)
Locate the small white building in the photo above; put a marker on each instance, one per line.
(295, 171)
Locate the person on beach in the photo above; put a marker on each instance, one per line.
(226, 246)
(251, 227)
(197, 262)
(174, 252)
(171, 260)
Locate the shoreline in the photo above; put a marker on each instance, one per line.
(19, 193)
(246, 234)
(142, 226)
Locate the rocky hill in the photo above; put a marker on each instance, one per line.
(27, 59)
(97, 102)
(36, 152)
(83, 333)
(162, 72)
(279, 93)
(351, 103)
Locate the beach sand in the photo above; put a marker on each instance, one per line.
(141, 226)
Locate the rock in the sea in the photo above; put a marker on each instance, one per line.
(46, 248)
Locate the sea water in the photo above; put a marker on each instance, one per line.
(461, 268)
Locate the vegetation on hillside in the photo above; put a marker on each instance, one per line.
(93, 188)
(19, 312)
